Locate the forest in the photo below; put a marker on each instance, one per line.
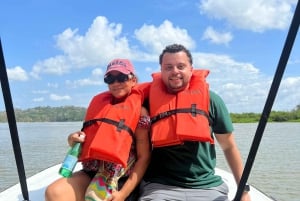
(47, 114)
(72, 113)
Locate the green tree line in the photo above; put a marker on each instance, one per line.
(47, 114)
(275, 116)
(72, 113)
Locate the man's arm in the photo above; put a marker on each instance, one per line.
(233, 157)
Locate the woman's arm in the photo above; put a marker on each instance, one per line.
(142, 162)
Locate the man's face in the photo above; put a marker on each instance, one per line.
(176, 71)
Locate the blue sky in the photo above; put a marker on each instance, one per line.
(56, 51)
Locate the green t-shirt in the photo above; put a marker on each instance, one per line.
(192, 164)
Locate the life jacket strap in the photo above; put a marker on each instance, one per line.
(193, 110)
(119, 124)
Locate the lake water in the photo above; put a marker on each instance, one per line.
(276, 169)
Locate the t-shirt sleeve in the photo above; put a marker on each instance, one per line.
(221, 120)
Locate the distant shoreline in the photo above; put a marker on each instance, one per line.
(73, 113)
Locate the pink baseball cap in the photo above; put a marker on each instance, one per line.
(122, 65)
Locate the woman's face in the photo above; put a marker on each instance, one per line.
(120, 88)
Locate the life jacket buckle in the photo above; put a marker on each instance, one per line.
(120, 125)
(194, 110)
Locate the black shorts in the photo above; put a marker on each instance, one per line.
(90, 173)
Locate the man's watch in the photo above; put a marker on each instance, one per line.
(247, 188)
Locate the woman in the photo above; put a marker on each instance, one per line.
(118, 112)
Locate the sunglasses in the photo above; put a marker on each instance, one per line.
(109, 79)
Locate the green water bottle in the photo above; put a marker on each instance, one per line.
(70, 160)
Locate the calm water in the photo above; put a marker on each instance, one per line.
(276, 169)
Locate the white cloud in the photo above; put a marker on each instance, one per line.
(52, 85)
(216, 37)
(17, 73)
(156, 38)
(40, 99)
(254, 15)
(83, 82)
(288, 94)
(101, 43)
(97, 72)
(96, 79)
(56, 97)
(104, 41)
(40, 92)
(242, 86)
(294, 61)
(57, 65)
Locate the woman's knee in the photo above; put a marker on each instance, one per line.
(54, 191)
(72, 188)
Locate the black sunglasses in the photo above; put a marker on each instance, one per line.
(109, 79)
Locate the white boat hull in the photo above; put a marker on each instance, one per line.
(37, 184)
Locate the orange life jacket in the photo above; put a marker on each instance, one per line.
(109, 128)
(180, 117)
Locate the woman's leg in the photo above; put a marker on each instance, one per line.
(70, 189)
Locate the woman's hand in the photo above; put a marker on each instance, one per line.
(116, 196)
(76, 137)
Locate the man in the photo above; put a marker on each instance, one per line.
(186, 119)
